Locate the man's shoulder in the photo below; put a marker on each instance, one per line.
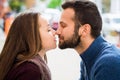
(108, 59)
(107, 67)
(108, 62)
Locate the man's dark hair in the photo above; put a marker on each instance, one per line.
(86, 12)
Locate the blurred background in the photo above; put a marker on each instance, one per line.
(51, 10)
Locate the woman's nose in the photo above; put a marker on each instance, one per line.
(54, 32)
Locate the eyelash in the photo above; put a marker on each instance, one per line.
(49, 30)
(62, 25)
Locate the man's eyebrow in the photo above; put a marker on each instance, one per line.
(61, 22)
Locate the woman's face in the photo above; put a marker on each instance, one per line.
(47, 35)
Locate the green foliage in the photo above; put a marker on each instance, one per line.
(54, 3)
(42, 0)
(15, 5)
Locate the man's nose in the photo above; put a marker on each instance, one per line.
(58, 31)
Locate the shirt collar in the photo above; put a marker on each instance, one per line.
(90, 55)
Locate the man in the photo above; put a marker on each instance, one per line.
(80, 27)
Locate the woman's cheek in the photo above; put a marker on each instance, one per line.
(50, 33)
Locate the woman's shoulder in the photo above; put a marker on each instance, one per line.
(27, 66)
(26, 70)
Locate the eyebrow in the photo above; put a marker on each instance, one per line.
(61, 22)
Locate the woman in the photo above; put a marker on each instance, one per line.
(23, 55)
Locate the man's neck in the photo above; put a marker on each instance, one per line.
(84, 45)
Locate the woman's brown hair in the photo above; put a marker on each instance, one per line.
(23, 41)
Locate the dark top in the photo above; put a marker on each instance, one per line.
(101, 61)
(30, 70)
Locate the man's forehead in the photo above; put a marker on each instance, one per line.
(68, 14)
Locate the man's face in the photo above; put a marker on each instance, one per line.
(68, 36)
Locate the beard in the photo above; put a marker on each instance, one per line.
(72, 42)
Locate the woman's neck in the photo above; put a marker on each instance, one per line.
(42, 53)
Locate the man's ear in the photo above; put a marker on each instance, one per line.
(84, 30)
(80, 31)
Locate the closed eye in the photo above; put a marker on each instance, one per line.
(49, 30)
(63, 25)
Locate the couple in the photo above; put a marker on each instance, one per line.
(24, 54)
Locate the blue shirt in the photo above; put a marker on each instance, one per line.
(101, 61)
